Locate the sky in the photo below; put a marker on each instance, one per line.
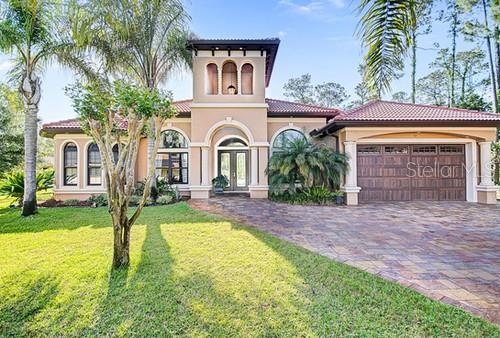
(317, 37)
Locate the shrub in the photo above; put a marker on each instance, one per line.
(303, 163)
(165, 199)
(71, 203)
(12, 184)
(162, 188)
(98, 200)
(135, 200)
(318, 195)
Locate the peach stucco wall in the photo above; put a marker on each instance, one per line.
(199, 80)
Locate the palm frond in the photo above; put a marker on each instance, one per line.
(385, 30)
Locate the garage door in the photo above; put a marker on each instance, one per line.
(403, 172)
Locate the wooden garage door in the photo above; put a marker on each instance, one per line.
(389, 172)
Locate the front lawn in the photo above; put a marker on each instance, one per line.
(193, 274)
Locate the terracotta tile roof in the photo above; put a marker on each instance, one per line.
(398, 111)
(277, 108)
(74, 125)
(287, 107)
(387, 113)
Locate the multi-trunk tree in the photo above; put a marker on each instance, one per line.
(121, 114)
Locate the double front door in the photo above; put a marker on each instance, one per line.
(234, 165)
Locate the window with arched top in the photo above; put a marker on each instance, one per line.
(172, 158)
(212, 79)
(284, 138)
(247, 79)
(173, 139)
(229, 78)
(70, 161)
(94, 165)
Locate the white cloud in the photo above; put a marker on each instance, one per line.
(306, 9)
(338, 3)
(281, 34)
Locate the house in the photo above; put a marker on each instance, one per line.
(396, 151)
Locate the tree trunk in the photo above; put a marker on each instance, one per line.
(413, 65)
(490, 58)
(31, 92)
(121, 247)
(454, 26)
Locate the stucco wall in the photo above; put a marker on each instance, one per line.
(199, 76)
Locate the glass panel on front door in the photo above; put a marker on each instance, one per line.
(234, 165)
(241, 170)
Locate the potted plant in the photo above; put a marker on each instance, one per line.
(220, 183)
(339, 197)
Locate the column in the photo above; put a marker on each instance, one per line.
(351, 185)
(486, 173)
(254, 161)
(204, 166)
(486, 190)
(350, 151)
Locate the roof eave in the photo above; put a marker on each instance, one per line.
(340, 124)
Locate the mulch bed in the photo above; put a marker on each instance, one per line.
(52, 203)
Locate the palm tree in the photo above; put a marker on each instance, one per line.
(306, 164)
(144, 40)
(386, 30)
(30, 31)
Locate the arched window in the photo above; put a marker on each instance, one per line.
(172, 159)
(229, 79)
(70, 161)
(247, 79)
(212, 79)
(173, 139)
(94, 167)
(233, 143)
(285, 137)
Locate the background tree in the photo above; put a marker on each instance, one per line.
(300, 89)
(100, 108)
(445, 64)
(11, 114)
(328, 94)
(474, 101)
(31, 31)
(470, 65)
(452, 15)
(401, 97)
(422, 25)
(432, 88)
(385, 29)
(477, 29)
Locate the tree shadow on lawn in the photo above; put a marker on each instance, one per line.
(344, 299)
(153, 302)
(19, 309)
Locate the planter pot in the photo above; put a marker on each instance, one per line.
(218, 190)
(339, 200)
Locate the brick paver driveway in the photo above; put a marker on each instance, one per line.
(449, 251)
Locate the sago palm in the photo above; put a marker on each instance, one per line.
(306, 164)
(31, 32)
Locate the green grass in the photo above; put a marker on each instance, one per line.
(194, 274)
(41, 196)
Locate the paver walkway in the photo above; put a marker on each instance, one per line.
(449, 251)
